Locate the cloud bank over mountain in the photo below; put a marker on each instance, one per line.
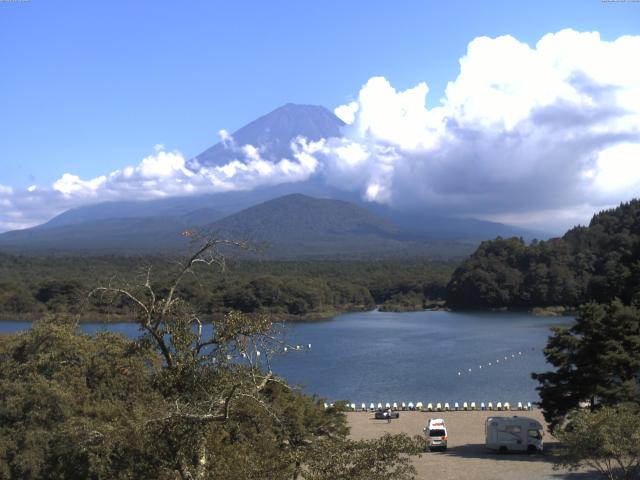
(520, 134)
(164, 174)
(526, 135)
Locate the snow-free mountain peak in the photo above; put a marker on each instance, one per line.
(272, 133)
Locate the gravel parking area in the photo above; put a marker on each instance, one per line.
(466, 456)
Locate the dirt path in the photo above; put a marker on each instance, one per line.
(466, 457)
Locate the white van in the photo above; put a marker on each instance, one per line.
(436, 434)
(516, 434)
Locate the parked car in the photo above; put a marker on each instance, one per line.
(436, 434)
(386, 414)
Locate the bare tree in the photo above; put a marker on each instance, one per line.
(215, 378)
(207, 365)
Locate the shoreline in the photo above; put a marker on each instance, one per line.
(319, 316)
(121, 318)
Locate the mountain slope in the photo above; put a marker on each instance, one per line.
(299, 226)
(123, 226)
(293, 226)
(300, 216)
(430, 225)
(164, 208)
(272, 133)
(125, 236)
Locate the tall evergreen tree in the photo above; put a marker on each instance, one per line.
(596, 360)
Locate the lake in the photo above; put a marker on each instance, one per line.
(409, 357)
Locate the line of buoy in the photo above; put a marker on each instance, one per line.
(296, 347)
(285, 349)
(489, 364)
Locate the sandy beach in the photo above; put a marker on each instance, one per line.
(466, 457)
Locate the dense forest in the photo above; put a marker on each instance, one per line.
(179, 402)
(31, 286)
(595, 263)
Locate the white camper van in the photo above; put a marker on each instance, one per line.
(436, 433)
(516, 434)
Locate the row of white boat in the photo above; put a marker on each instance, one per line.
(438, 407)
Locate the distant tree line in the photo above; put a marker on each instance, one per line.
(33, 286)
(595, 263)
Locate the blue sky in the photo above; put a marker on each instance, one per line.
(90, 87)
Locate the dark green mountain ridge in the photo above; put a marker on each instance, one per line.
(290, 227)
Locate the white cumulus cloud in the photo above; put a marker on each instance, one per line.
(520, 131)
(162, 174)
(524, 134)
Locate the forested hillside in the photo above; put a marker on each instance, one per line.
(598, 262)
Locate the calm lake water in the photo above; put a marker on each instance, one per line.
(402, 357)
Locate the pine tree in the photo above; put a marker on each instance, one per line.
(597, 360)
